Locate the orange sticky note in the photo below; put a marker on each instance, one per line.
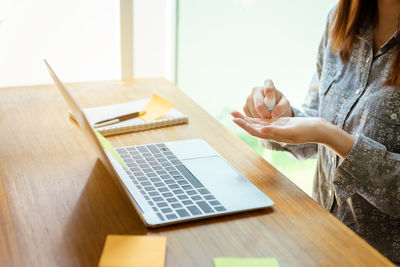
(156, 108)
(133, 251)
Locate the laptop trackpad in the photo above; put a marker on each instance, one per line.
(232, 189)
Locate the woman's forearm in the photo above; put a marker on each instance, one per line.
(336, 139)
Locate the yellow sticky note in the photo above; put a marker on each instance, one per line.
(133, 251)
(156, 108)
(245, 262)
(109, 147)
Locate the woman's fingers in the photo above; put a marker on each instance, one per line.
(250, 104)
(246, 111)
(255, 106)
(269, 89)
(264, 132)
(262, 99)
(252, 125)
(257, 121)
(259, 104)
(269, 96)
(237, 114)
(282, 109)
(248, 127)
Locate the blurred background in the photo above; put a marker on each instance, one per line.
(215, 51)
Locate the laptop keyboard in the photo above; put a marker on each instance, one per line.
(167, 185)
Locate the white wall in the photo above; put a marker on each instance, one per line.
(80, 39)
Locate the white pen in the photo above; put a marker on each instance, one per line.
(270, 103)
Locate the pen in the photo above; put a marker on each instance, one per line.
(118, 119)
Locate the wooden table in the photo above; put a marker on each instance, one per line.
(58, 203)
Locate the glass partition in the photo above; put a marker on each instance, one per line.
(226, 47)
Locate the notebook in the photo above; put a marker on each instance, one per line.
(95, 114)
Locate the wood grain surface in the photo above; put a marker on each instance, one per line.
(58, 203)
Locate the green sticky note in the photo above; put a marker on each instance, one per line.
(108, 146)
(245, 262)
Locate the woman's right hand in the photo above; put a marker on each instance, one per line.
(255, 106)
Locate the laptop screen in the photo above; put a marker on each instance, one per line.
(81, 119)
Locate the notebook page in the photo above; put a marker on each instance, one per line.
(105, 112)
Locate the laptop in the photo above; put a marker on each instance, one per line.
(173, 182)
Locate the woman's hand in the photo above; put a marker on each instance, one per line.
(298, 130)
(256, 108)
(291, 130)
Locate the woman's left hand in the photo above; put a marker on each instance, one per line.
(298, 130)
(291, 130)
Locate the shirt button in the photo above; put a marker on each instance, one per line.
(368, 60)
(330, 192)
(393, 116)
(357, 91)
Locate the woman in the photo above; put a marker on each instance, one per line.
(350, 120)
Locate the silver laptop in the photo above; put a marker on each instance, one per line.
(173, 182)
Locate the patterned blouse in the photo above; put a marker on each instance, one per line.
(363, 190)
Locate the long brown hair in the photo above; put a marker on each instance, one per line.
(348, 18)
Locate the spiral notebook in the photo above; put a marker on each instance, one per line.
(95, 114)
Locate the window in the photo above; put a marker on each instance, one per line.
(226, 47)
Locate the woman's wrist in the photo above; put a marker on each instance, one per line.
(335, 138)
